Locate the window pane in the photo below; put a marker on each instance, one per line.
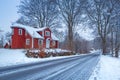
(40, 42)
(20, 31)
(27, 41)
(47, 33)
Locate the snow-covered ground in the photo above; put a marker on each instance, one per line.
(108, 68)
(10, 57)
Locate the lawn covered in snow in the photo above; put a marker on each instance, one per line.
(108, 68)
(10, 57)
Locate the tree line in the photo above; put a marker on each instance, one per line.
(101, 15)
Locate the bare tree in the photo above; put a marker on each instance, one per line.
(117, 43)
(69, 13)
(81, 45)
(44, 12)
(112, 39)
(100, 12)
(115, 37)
(115, 30)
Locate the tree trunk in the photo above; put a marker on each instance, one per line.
(70, 39)
(104, 48)
(116, 53)
(117, 45)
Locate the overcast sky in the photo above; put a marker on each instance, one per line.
(8, 13)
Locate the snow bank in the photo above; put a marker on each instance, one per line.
(10, 57)
(107, 69)
(50, 50)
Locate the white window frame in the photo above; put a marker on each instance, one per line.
(47, 33)
(40, 42)
(54, 43)
(27, 41)
(25, 33)
(20, 31)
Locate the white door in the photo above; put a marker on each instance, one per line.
(47, 43)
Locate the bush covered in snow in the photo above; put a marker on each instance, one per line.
(47, 53)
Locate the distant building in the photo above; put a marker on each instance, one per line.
(29, 37)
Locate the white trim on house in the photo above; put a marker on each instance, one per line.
(47, 43)
(25, 33)
(32, 42)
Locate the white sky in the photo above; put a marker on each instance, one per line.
(85, 32)
(8, 13)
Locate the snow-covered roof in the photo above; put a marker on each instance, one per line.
(32, 31)
(54, 37)
(41, 29)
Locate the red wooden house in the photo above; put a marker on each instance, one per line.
(29, 37)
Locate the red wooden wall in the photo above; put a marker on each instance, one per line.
(19, 41)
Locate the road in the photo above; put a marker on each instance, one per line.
(71, 68)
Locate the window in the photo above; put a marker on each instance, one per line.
(40, 42)
(53, 43)
(27, 41)
(20, 32)
(47, 33)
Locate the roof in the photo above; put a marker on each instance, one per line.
(32, 31)
(41, 29)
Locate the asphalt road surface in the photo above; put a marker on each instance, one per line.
(71, 68)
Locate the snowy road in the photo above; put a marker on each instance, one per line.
(72, 68)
